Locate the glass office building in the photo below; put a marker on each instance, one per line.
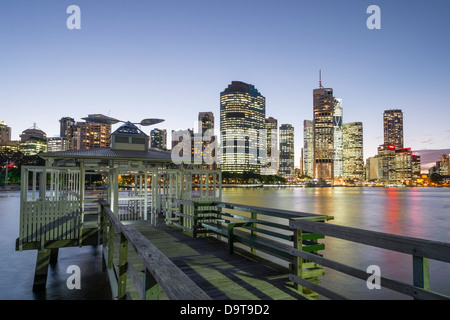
(393, 128)
(286, 151)
(242, 119)
(323, 102)
(353, 153)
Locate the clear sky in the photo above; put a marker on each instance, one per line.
(171, 59)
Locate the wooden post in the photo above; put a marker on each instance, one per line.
(298, 262)
(254, 216)
(110, 245)
(151, 287)
(421, 272)
(41, 271)
(123, 266)
(54, 255)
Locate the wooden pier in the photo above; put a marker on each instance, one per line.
(172, 237)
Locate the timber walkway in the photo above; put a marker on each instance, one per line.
(207, 262)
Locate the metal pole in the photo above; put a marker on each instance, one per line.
(6, 174)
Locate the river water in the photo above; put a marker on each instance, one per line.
(415, 212)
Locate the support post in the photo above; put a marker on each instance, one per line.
(421, 272)
(41, 272)
(123, 266)
(54, 255)
(151, 287)
(298, 262)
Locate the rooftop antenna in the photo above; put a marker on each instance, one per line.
(320, 78)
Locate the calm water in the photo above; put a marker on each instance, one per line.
(422, 213)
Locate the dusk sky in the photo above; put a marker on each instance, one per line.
(171, 59)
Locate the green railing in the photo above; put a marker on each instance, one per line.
(420, 250)
(260, 230)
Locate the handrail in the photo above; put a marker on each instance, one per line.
(160, 271)
(420, 249)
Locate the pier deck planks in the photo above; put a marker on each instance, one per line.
(222, 276)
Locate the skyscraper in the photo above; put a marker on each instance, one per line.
(308, 148)
(242, 117)
(323, 102)
(287, 159)
(205, 141)
(272, 165)
(393, 128)
(338, 138)
(352, 151)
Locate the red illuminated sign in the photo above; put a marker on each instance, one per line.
(391, 147)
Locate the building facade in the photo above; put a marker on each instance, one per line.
(323, 102)
(271, 166)
(353, 151)
(33, 141)
(205, 149)
(286, 169)
(308, 148)
(393, 127)
(242, 119)
(158, 139)
(338, 138)
(55, 144)
(5, 132)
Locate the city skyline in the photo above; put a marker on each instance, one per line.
(171, 61)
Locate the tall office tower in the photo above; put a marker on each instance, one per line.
(65, 127)
(308, 148)
(242, 117)
(5, 132)
(71, 132)
(287, 159)
(352, 151)
(93, 134)
(393, 127)
(323, 101)
(205, 143)
(272, 164)
(338, 138)
(158, 139)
